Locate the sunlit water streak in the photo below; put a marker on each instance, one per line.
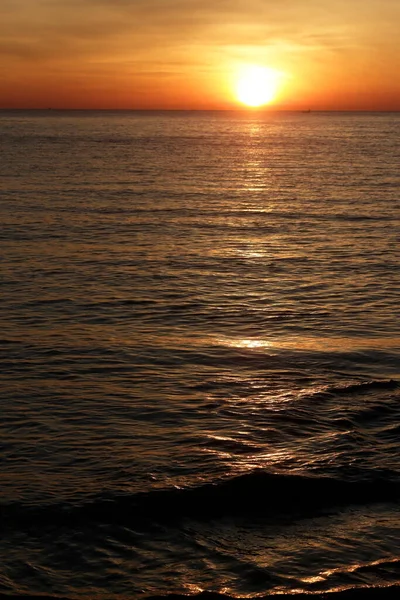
(200, 352)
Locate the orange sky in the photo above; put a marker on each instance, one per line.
(338, 54)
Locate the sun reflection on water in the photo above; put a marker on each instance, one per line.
(307, 343)
(251, 343)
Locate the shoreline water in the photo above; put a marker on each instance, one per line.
(390, 592)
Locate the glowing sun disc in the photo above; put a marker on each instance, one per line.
(257, 86)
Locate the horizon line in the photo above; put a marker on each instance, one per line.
(238, 109)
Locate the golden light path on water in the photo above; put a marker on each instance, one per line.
(295, 343)
(313, 343)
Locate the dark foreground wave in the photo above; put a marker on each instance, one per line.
(361, 593)
(258, 492)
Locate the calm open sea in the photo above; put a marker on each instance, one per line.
(200, 353)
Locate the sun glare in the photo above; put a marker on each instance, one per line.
(257, 86)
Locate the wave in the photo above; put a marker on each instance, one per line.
(386, 592)
(363, 386)
(254, 493)
(360, 593)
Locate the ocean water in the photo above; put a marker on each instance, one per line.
(200, 353)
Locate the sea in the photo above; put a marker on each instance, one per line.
(200, 354)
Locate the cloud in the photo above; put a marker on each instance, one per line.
(48, 26)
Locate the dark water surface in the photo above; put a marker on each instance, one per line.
(200, 353)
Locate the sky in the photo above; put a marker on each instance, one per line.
(187, 54)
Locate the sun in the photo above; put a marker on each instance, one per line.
(257, 86)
